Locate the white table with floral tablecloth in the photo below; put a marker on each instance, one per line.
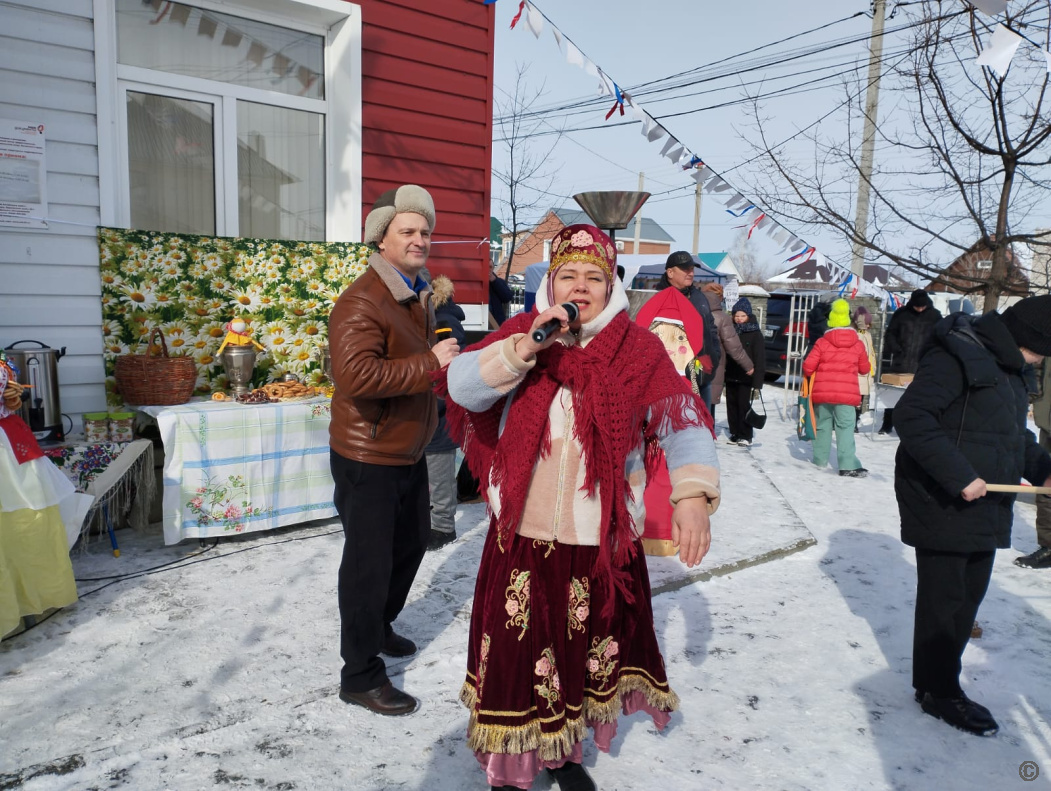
(235, 468)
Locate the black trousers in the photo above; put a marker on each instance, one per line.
(738, 400)
(950, 587)
(386, 523)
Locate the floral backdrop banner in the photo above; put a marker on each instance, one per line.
(191, 286)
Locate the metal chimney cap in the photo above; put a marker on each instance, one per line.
(611, 209)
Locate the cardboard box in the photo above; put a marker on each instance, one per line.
(896, 380)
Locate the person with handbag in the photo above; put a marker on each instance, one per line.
(741, 384)
(835, 362)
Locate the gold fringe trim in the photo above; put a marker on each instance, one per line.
(659, 547)
(518, 739)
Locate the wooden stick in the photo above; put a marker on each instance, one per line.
(1006, 487)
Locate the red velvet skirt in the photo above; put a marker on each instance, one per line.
(544, 664)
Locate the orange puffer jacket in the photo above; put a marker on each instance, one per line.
(837, 358)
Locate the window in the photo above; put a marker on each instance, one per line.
(547, 250)
(225, 115)
(620, 247)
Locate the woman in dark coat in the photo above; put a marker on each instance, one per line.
(962, 423)
(739, 384)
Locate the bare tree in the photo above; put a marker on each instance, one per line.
(962, 153)
(526, 173)
(746, 259)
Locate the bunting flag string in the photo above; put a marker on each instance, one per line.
(250, 50)
(674, 150)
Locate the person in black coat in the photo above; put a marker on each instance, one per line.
(441, 451)
(905, 339)
(739, 385)
(962, 424)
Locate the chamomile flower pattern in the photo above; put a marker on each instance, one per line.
(190, 286)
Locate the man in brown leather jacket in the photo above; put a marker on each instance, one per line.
(383, 415)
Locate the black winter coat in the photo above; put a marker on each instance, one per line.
(906, 336)
(755, 347)
(449, 315)
(962, 418)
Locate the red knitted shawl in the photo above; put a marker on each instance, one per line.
(624, 387)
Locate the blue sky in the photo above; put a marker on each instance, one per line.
(638, 42)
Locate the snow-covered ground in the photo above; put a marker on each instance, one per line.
(793, 672)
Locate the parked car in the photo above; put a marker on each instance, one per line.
(780, 324)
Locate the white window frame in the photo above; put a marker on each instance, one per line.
(338, 22)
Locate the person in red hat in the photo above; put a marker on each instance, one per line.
(561, 430)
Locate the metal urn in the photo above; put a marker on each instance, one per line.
(239, 362)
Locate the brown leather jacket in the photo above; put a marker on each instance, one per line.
(383, 410)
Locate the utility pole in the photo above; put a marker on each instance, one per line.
(697, 219)
(868, 142)
(638, 217)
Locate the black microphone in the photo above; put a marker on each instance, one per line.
(443, 330)
(548, 327)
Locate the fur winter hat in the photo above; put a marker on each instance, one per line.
(443, 290)
(406, 198)
(1029, 322)
(742, 305)
(839, 316)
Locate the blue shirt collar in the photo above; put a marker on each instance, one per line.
(418, 286)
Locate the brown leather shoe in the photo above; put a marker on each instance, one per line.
(387, 700)
(397, 646)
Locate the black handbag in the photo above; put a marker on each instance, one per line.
(756, 419)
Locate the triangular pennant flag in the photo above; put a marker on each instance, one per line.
(736, 202)
(573, 55)
(605, 84)
(669, 145)
(637, 112)
(231, 38)
(675, 154)
(590, 68)
(712, 183)
(722, 186)
(558, 36)
(781, 236)
(990, 7)
(656, 132)
(1001, 49)
(534, 19)
(180, 13)
(700, 174)
(207, 27)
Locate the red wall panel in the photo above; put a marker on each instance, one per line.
(427, 110)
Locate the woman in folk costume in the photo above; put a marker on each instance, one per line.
(562, 634)
(40, 517)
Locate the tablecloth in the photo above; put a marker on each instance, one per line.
(118, 475)
(232, 468)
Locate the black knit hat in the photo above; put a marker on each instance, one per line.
(919, 299)
(1029, 322)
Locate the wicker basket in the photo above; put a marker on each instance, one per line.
(155, 379)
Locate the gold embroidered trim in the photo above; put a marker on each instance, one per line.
(517, 739)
